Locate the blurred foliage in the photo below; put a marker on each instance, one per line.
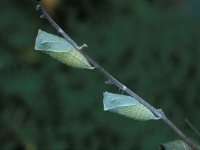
(150, 45)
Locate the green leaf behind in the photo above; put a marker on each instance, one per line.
(175, 145)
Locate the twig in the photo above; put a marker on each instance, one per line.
(192, 127)
(157, 112)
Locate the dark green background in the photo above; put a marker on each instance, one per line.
(150, 45)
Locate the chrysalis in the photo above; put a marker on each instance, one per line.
(126, 106)
(61, 50)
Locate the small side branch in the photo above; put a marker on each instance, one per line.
(157, 112)
(192, 127)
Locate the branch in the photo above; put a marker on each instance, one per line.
(192, 127)
(157, 112)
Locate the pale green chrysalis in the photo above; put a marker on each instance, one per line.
(127, 106)
(61, 50)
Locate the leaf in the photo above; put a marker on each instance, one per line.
(61, 50)
(176, 145)
(127, 106)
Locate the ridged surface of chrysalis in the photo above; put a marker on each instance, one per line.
(127, 106)
(61, 50)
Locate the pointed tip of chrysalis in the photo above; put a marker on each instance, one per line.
(38, 40)
(40, 31)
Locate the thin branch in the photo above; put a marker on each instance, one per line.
(157, 112)
(56, 26)
(192, 127)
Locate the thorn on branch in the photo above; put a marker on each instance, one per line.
(124, 88)
(38, 7)
(161, 113)
(83, 46)
(60, 31)
(42, 16)
(108, 82)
